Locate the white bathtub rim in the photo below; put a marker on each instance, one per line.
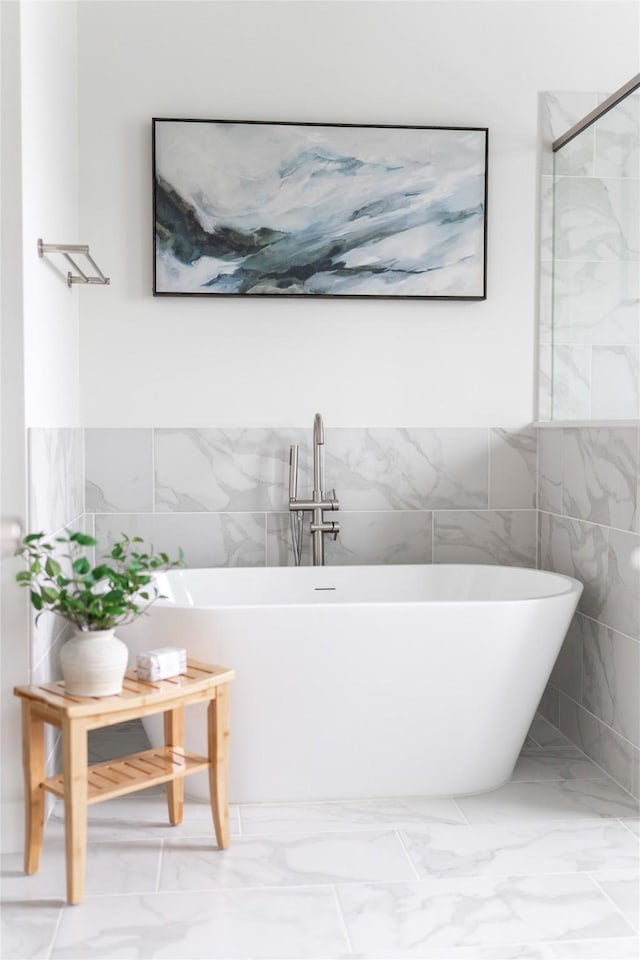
(572, 585)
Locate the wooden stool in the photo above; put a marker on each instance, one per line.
(80, 785)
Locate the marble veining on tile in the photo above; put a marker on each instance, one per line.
(487, 536)
(397, 469)
(620, 607)
(118, 470)
(446, 851)
(550, 800)
(559, 764)
(601, 743)
(591, 222)
(369, 537)
(112, 868)
(286, 859)
(571, 382)
(580, 550)
(560, 110)
(617, 144)
(230, 470)
(347, 814)
(611, 666)
(208, 540)
(28, 929)
(596, 302)
(615, 379)
(279, 923)
(512, 473)
(56, 477)
(567, 670)
(600, 469)
(412, 918)
(550, 470)
(623, 887)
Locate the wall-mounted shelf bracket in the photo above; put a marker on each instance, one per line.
(66, 249)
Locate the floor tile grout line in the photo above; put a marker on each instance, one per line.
(345, 882)
(54, 935)
(159, 870)
(343, 919)
(238, 890)
(406, 853)
(636, 930)
(627, 827)
(465, 818)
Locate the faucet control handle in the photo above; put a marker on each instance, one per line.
(335, 503)
(335, 528)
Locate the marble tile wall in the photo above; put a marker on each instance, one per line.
(406, 495)
(56, 501)
(590, 262)
(590, 528)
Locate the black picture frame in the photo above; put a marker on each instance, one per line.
(257, 208)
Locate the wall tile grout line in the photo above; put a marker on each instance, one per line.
(591, 523)
(600, 623)
(595, 717)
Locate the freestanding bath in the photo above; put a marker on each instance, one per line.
(367, 681)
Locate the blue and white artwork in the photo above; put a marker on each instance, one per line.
(292, 209)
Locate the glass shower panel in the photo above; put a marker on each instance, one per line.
(596, 270)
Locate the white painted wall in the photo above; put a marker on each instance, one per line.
(50, 209)
(39, 314)
(237, 362)
(14, 618)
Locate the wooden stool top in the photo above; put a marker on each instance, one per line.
(145, 696)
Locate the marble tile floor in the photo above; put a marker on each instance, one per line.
(545, 867)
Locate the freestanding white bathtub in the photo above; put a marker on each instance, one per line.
(366, 681)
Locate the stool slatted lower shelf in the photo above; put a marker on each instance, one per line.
(137, 771)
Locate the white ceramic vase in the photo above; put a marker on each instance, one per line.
(93, 663)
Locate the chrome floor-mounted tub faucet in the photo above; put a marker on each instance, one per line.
(320, 502)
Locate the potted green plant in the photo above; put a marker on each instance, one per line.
(95, 599)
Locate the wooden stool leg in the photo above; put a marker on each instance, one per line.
(74, 762)
(218, 736)
(174, 737)
(33, 762)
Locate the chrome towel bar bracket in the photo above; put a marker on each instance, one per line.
(66, 249)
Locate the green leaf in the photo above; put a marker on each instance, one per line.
(32, 537)
(81, 566)
(52, 567)
(36, 600)
(83, 539)
(24, 577)
(49, 594)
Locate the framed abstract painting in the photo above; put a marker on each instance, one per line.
(255, 209)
